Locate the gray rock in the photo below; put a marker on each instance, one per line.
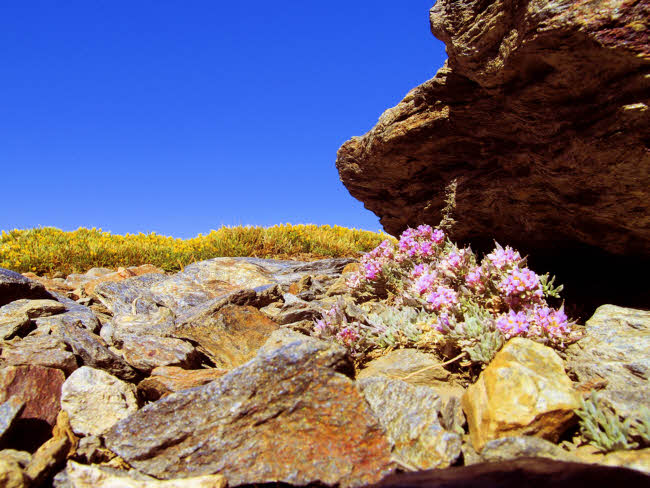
(507, 448)
(14, 286)
(615, 353)
(145, 353)
(292, 309)
(74, 314)
(92, 351)
(16, 317)
(11, 475)
(286, 415)
(410, 415)
(94, 400)
(413, 366)
(42, 350)
(9, 411)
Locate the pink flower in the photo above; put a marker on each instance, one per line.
(442, 298)
(425, 282)
(513, 324)
(474, 277)
(553, 322)
(348, 336)
(521, 287)
(504, 258)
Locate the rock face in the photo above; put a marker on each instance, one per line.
(541, 113)
(410, 415)
(614, 357)
(287, 415)
(523, 391)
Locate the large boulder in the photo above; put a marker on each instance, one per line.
(287, 415)
(540, 113)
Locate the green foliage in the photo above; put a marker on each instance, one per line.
(477, 335)
(549, 289)
(601, 426)
(391, 327)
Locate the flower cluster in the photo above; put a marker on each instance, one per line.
(427, 271)
(538, 322)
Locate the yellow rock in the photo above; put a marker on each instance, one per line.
(523, 391)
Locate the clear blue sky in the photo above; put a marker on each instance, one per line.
(181, 116)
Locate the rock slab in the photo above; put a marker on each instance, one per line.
(286, 415)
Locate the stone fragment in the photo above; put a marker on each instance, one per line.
(537, 472)
(145, 353)
(229, 337)
(507, 448)
(292, 309)
(169, 379)
(40, 389)
(11, 476)
(9, 410)
(94, 400)
(41, 350)
(119, 275)
(74, 314)
(23, 458)
(49, 458)
(638, 459)
(52, 285)
(284, 416)
(16, 317)
(14, 286)
(523, 391)
(76, 280)
(92, 351)
(410, 365)
(91, 450)
(614, 354)
(410, 416)
(80, 476)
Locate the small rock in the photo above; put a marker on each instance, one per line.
(410, 365)
(119, 275)
(507, 448)
(91, 450)
(94, 400)
(80, 476)
(16, 317)
(11, 476)
(635, 459)
(48, 459)
(9, 410)
(14, 286)
(148, 352)
(230, 336)
(523, 391)
(92, 351)
(41, 350)
(74, 314)
(410, 416)
(40, 389)
(169, 379)
(284, 416)
(21, 457)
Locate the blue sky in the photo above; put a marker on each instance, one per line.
(180, 117)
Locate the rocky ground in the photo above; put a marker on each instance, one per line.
(210, 376)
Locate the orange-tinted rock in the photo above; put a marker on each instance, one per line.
(285, 416)
(523, 391)
(40, 389)
(121, 274)
(230, 336)
(169, 379)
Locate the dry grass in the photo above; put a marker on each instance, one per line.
(46, 250)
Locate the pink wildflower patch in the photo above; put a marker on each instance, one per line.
(513, 324)
(521, 287)
(442, 298)
(504, 258)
